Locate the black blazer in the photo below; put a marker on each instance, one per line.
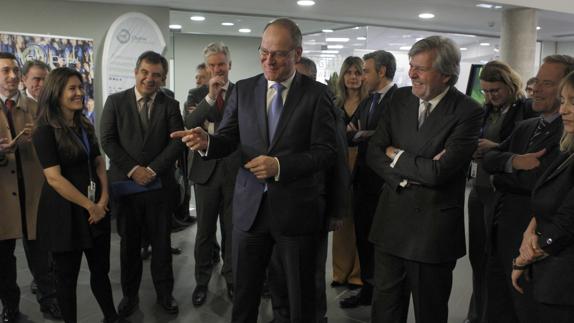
(200, 169)
(362, 173)
(424, 222)
(122, 140)
(553, 207)
(304, 143)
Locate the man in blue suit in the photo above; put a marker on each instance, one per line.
(283, 125)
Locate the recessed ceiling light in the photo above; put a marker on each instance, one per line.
(357, 27)
(306, 3)
(225, 23)
(496, 50)
(463, 49)
(538, 27)
(327, 30)
(497, 7)
(485, 5)
(405, 47)
(244, 30)
(361, 38)
(327, 55)
(328, 51)
(175, 27)
(419, 38)
(337, 39)
(484, 44)
(335, 46)
(426, 15)
(197, 18)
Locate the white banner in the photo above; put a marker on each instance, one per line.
(128, 37)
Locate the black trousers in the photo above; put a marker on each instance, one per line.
(213, 200)
(148, 212)
(549, 313)
(397, 278)
(364, 207)
(67, 267)
(251, 255)
(480, 205)
(278, 285)
(9, 291)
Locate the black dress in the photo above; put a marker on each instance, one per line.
(63, 225)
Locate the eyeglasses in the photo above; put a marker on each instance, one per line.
(491, 91)
(279, 54)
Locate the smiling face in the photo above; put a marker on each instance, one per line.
(567, 108)
(9, 77)
(34, 80)
(545, 95)
(218, 65)
(149, 78)
(72, 97)
(427, 81)
(278, 53)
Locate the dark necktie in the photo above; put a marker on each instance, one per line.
(540, 128)
(9, 108)
(144, 113)
(219, 103)
(274, 111)
(425, 113)
(374, 101)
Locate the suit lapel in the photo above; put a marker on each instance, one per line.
(293, 97)
(260, 105)
(563, 162)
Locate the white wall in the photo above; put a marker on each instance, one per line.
(188, 53)
(566, 48)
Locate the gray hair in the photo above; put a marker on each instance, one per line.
(309, 66)
(447, 60)
(291, 26)
(383, 58)
(216, 48)
(566, 60)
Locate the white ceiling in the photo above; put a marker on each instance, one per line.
(458, 16)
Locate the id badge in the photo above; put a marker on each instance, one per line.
(92, 191)
(473, 169)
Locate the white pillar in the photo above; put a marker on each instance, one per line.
(518, 40)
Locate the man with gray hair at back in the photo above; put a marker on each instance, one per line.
(422, 148)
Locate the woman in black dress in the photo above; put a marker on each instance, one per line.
(547, 249)
(72, 217)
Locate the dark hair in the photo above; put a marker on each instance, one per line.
(34, 63)
(309, 65)
(51, 112)
(383, 58)
(291, 26)
(6, 55)
(153, 58)
(531, 80)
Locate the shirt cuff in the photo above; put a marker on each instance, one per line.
(203, 153)
(209, 100)
(278, 169)
(404, 183)
(396, 159)
(131, 172)
(152, 171)
(508, 166)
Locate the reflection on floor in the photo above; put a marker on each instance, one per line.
(217, 307)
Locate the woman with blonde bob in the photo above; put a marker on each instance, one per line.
(547, 249)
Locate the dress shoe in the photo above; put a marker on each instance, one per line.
(361, 299)
(199, 295)
(128, 305)
(146, 253)
(116, 320)
(10, 315)
(168, 304)
(230, 291)
(175, 251)
(52, 309)
(33, 287)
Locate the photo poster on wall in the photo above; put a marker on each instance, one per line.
(56, 51)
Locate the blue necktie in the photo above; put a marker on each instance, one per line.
(274, 111)
(374, 102)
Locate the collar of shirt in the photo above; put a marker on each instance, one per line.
(139, 96)
(551, 118)
(225, 87)
(30, 96)
(435, 101)
(15, 97)
(271, 91)
(384, 91)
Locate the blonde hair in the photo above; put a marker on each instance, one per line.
(567, 140)
(497, 71)
(349, 62)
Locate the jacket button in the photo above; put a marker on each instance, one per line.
(549, 241)
(14, 193)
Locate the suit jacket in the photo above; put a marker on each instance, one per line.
(362, 173)
(122, 139)
(24, 112)
(304, 143)
(200, 170)
(553, 207)
(424, 222)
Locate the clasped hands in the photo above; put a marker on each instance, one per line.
(143, 176)
(197, 139)
(530, 252)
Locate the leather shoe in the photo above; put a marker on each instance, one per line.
(199, 295)
(128, 306)
(117, 320)
(230, 291)
(33, 287)
(168, 304)
(51, 309)
(361, 299)
(10, 315)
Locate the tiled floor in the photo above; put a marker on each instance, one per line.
(217, 309)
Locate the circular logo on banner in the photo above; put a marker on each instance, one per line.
(123, 36)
